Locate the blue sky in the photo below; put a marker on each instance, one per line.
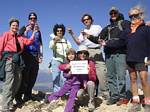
(67, 12)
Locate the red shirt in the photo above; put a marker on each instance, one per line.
(8, 42)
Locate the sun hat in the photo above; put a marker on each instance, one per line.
(82, 48)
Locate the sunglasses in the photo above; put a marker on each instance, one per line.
(113, 13)
(86, 19)
(134, 15)
(59, 31)
(83, 52)
(32, 18)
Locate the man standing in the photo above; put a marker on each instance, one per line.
(115, 57)
(32, 56)
(93, 49)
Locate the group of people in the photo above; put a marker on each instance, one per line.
(20, 55)
(125, 44)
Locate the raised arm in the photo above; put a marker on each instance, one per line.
(70, 31)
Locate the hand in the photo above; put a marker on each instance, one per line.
(68, 66)
(85, 85)
(28, 27)
(70, 30)
(102, 42)
(56, 38)
(36, 27)
(40, 59)
(85, 35)
(147, 62)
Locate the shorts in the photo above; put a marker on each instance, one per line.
(136, 66)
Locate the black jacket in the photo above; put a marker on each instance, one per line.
(114, 31)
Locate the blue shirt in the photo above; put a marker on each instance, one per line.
(34, 48)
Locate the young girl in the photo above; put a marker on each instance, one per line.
(87, 81)
(72, 83)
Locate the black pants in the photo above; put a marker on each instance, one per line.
(29, 75)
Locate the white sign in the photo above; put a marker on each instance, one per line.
(79, 67)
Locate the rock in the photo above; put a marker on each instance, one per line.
(37, 105)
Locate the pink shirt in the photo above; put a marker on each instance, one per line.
(8, 42)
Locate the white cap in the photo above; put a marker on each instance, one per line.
(82, 48)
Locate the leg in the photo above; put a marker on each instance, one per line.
(112, 78)
(17, 80)
(27, 57)
(72, 96)
(32, 78)
(91, 90)
(120, 64)
(145, 84)
(66, 87)
(133, 82)
(7, 86)
(146, 89)
(17, 85)
(56, 75)
(97, 57)
(101, 75)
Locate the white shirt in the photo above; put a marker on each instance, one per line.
(93, 30)
(60, 49)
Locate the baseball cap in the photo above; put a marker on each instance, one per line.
(113, 9)
(32, 14)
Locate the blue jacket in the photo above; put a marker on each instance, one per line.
(34, 48)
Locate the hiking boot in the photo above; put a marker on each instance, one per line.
(111, 101)
(46, 99)
(122, 101)
(19, 102)
(91, 105)
(134, 107)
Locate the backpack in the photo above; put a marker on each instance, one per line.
(119, 26)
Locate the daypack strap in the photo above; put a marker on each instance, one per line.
(119, 25)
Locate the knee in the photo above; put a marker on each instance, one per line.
(91, 84)
(80, 93)
(144, 82)
(133, 80)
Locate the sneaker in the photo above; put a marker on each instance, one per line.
(91, 105)
(111, 101)
(134, 107)
(19, 103)
(46, 99)
(122, 101)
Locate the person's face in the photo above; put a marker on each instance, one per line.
(87, 21)
(71, 56)
(14, 27)
(59, 32)
(32, 20)
(114, 15)
(82, 55)
(134, 16)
